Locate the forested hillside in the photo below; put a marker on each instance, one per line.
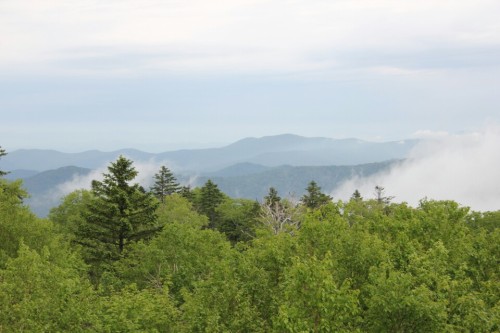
(123, 258)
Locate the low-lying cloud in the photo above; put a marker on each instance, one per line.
(146, 171)
(464, 168)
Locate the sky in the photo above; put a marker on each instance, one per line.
(162, 75)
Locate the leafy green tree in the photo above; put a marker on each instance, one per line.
(119, 213)
(38, 295)
(210, 197)
(133, 310)
(178, 209)
(179, 256)
(314, 198)
(165, 184)
(238, 219)
(314, 302)
(18, 224)
(220, 304)
(68, 216)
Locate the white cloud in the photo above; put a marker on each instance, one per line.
(146, 170)
(464, 168)
(244, 35)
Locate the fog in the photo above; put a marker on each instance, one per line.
(464, 168)
(146, 171)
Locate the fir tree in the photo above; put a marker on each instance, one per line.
(210, 197)
(356, 196)
(2, 153)
(272, 198)
(119, 213)
(314, 198)
(165, 184)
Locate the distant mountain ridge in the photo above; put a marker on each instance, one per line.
(246, 168)
(268, 151)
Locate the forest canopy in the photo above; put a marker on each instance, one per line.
(120, 258)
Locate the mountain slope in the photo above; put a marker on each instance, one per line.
(267, 151)
(292, 181)
(43, 187)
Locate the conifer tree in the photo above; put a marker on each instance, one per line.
(210, 197)
(314, 198)
(356, 196)
(120, 213)
(2, 153)
(186, 192)
(165, 184)
(272, 198)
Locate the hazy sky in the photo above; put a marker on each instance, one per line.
(157, 75)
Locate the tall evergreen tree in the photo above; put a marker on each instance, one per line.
(356, 196)
(165, 184)
(186, 192)
(120, 213)
(314, 198)
(272, 198)
(2, 153)
(210, 197)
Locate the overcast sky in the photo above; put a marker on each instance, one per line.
(158, 75)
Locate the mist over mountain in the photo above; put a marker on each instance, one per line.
(245, 169)
(286, 149)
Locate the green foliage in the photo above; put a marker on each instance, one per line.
(186, 192)
(179, 256)
(209, 198)
(118, 215)
(219, 304)
(237, 219)
(37, 295)
(18, 224)
(178, 209)
(68, 216)
(133, 310)
(314, 302)
(272, 198)
(314, 198)
(356, 266)
(165, 184)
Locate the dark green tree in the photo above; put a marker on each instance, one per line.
(118, 214)
(272, 198)
(2, 153)
(210, 197)
(356, 196)
(165, 184)
(314, 198)
(186, 192)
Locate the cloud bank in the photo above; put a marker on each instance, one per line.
(146, 171)
(127, 36)
(464, 168)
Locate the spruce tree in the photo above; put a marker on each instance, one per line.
(210, 197)
(118, 214)
(314, 198)
(2, 153)
(356, 196)
(165, 184)
(272, 198)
